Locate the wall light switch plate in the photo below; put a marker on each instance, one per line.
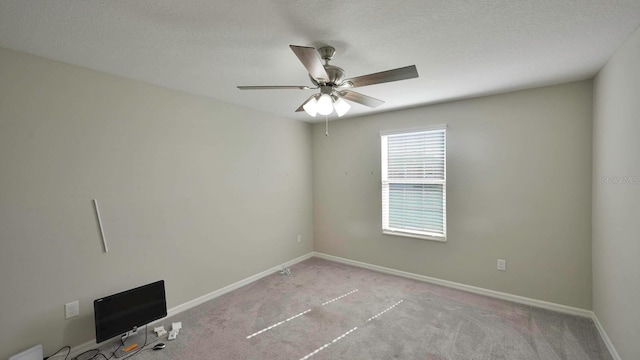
(502, 265)
(71, 309)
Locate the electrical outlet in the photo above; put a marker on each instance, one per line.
(299, 238)
(71, 309)
(502, 265)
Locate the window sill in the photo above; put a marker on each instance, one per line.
(416, 236)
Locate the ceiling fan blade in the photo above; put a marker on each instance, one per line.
(407, 72)
(360, 99)
(311, 60)
(306, 101)
(273, 87)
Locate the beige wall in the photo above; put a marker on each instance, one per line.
(178, 177)
(193, 191)
(616, 198)
(519, 188)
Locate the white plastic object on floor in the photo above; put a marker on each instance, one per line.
(173, 334)
(176, 325)
(34, 353)
(159, 330)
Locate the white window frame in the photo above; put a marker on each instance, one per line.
(386, 229)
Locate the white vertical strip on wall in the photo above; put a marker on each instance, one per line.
(104, 239)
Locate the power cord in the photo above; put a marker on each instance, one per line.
(79, 356)
(146, 336)
(99, 353)
(62, 348)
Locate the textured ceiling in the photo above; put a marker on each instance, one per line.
(461, 48)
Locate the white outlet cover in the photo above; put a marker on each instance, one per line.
(502, 265)
(71, 309)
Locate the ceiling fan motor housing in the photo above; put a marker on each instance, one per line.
(336, 74)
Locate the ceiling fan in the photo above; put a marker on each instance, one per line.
(334, 88)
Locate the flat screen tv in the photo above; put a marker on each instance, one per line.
(120, 313)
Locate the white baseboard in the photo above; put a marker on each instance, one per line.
(473, 289)
(476, 290)
(76, 350)
(605, 338)
(214, 294)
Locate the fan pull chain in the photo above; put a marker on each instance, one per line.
(326, 125)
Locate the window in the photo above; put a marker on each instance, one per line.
(414, 183)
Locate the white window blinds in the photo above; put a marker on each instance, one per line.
(414, 183)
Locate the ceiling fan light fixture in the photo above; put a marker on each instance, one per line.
(325, 104)
(311, 107)
(334, 89)
(341, 106)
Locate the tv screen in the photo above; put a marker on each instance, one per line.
(119, 313)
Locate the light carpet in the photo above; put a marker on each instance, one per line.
(326, 310)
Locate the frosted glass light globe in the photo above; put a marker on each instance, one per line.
(311, 107)
(325, 105)
(341, 106)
